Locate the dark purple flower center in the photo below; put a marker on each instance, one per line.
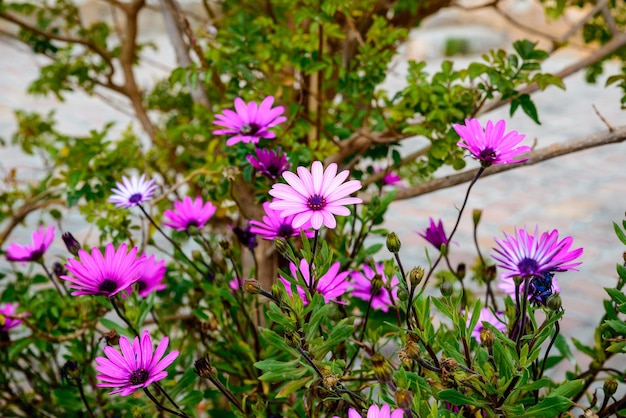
(376, 292)
(107, 286)
(193, 223)
(488, 155)
(250, 129)
(316, 202)
(135, 198)
(285, 231)
(139, 376)
(527, 266)
(274, 169)
(141, 286)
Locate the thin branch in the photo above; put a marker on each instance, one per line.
(534, 157)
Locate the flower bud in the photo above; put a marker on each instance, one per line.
(554, 302)
(609, 387)
(403, 398)
(227, 249)
(330, 380)
(112, 338)
(490, 273)
(403, 296)
(416, 275)
(393, 242)
(460, 271)
(58, 269)
(252, 286)
(449, 364)
(446, 288)
(377, 284)
(476, 215)
(486, 337)
(382, 369)
(71, 370)
(71, 243)
(412, 349)
(282, 246)
(203, 367)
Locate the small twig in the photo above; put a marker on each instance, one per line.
(603, 119)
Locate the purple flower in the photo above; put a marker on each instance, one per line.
(492, 145)
(136, 367)
(539, 288)
(375, 412)
(42, 238)
(250, 121)
(245, 236)
(532, 255)
(331, 285)
(435, 234)
(189, 213)
(391, 178)
(269, 163)
(315, 196)
(151, 277)
(274, 226)
(487, 316)
(131, 192)
(108, 275)
(6, 310)
(362, 287)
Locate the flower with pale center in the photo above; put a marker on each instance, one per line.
(250, 121)
(188, 213)
(274, 226)
(42, 238)
(137, 366)
(315, 196)
(108, 274)
(532, 255)
(132, 191)
(492, 145)
(331, 285)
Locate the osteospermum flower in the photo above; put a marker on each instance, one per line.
(136, 367)
(188, 213)
(331, 285)
(315, 196)
(151, 276)
(275, 226)
(246, 236)
(487, 316)
(250, 121)
(375, 412)
(435, 234)
(532, 255)
(539, 288)
(104, 275)
(269, 163)
(42, 238)
(362, 287)
(132, 191)
(9, 309)
(491, 145)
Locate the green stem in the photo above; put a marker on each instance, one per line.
(122, 316)
(163, 407)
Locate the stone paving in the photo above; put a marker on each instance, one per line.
(580, 195)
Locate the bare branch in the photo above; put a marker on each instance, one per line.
(534, 157)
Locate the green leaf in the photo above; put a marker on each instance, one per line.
(292, 387)
(457, 398)
(617, 325)
(569, 388)
(529, 107)
(549, 407)
(620, 234)
(617, 296)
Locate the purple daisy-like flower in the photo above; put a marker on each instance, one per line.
(315, 196)
(136, 367)
(6, 310)
(269, 163)
(250, 121)
(376, 412)
(188, 213)
(42, 238)
(532, 255)
(435, 234)
(362, 287)
(132, 191)
(151, 277)
(491, 145)
(275, 226)
(104, 275)
(245, 236)
(539, 288)
(487, 316)
(331, 285)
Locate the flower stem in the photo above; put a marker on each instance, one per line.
(56, 285)
(122, 316)
(84, 399)
(213, 379)
(163, 407)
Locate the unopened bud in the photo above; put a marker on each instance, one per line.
(416, 275)
(382, 369)
(404, 399)
(403, 296)
(460, 271)
(476, 215)
(282, 246)
(393, 242)
(71, 243)
(227, 249)
(449, 364)
(252, 286)
(490, 273)
(58, 269)
(609, 387)
(71, 369)
(377, 284)
(412, 349)
(446, 288)
(112, 338)
(486, 337)
(203, 367)
(330, 380)
(554, 302)
(293, 339)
